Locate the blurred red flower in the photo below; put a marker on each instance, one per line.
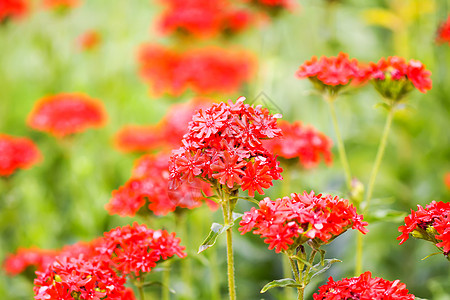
(394, 77)
(203, 19)
(205, 71)
(332, 72)
(65, 114)
(56, 4)
(89, 40)
(149, 182)
(363, 287)
(13, 9)
(17, 153)
(447, 180)
(443, 32)
(222, 142)
(17, 263)
(287, 223)
(301, 142)
(431, 223)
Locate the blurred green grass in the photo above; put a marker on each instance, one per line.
(61, 200)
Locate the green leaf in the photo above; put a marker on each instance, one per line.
(303, 261)
(285, 282)
(236, 216)
(321, 267)
(250, 199)
(216, 230)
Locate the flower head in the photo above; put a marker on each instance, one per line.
(17, 263)
(13, 9)
(447, 180)
(65, 114)
(363, 287)
(223, 146)
(17, 153)
(331, 74)
(286, 223)
(149, 184)
(89, 40)
(443, 32)
(431, 223)
(394, 78)
(205, 71)
(301, 142)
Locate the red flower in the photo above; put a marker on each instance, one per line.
(65, 114)
(205, 71)
(89, 40)
(149, 182)
(60, 3)
(431, 223)
(13, 8)
(203, 19)
(394, 77)
(302, 142)
(447, 180)
(443, 32)
(17, 263)
(16, 153)
(332, 73)
(135, 138)
(223, 146)
(363, 287)
(286, 223)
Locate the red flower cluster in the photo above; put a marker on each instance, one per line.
(204, 19)
(150, 182)
(13, 8)
(394, 77)
(286, 223)
(89, 40)
(431, 223)
(16, 153)
(166, 134)
(363, 287)
(223, 147)
(447, 180)
(332, 72)
(443, 33)
(64, 114)
(204, 71)
(302, 142)
(17, 263)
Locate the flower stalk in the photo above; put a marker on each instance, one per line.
(227, 209)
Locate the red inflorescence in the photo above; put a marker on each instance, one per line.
(60, 3)
(443, 33)
(363, 287)
(397, 69)
(302, 142)
(65, 114)
(167, 134)
(17, 153)
(447, 180)
(286, 223)
(203, 19)
(223, 146)
(332, 71)
(431, 223)
(13, 9)
(149, 182)
(89, 40)
(205, 71)
(33, 257)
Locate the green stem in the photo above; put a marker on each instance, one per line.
(285, 186)
(359, 253)
(228, 219)
(340, 142)
(166, 282)
(182, 224)
(140, 288)
(215, 284)
(378, 158)
(297, 278)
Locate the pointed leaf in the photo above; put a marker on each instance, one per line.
(236, 216)
(249, 199)
(285, 282)
(216, 230)
(321, 267)
(296, 257)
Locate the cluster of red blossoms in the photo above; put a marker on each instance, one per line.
(89, 40)
(16, 153)
(431, 223)
(202, 70)
(393, 77)
(203, 19)
(363, 287)
(223, 147)
(443, 33)
(287, 223)
(66, 113)
(302, 142)
(13, 9)
(97, 269)
(149, 182)
(167, 134)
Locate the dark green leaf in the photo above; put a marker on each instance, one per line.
(285, 282)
